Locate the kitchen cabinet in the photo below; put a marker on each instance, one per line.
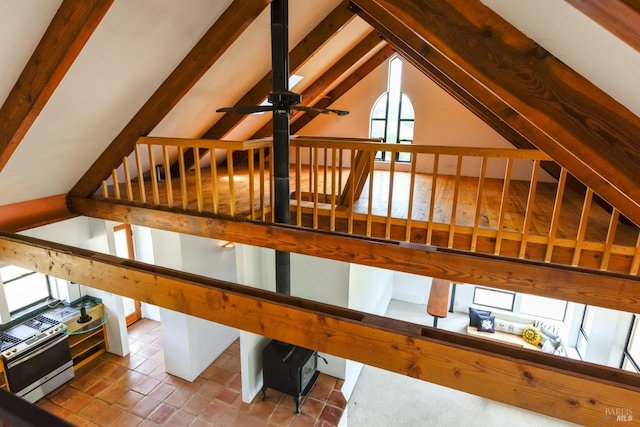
(87, 340)
(3, 378)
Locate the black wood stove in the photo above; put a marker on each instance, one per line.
(289, 369)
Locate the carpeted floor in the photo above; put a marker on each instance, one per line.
(382, 398)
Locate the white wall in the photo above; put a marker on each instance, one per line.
(411, 287)
(194, 343)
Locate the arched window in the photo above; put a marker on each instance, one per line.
(392, 115)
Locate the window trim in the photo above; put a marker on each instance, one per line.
(35, 304)
(513, 300)
(626, 355)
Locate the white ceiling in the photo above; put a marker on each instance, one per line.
(139, 42)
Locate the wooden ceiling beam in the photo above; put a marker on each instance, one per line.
(568, 389)
(68, 32)
(594, 287)
(620, 17)
(573, 121)
(299, 55)
(320, 86)
(235, 19)
(34, 213)
(343, 87)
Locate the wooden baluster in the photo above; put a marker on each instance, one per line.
(127, 178)
(334, 160)
(432, 202)
(298, 187)
(635, 263)
(476, 220)
(527, 216)
(198, 178)
(251, 184)
(311, 163)
(143, 192)
(166, 166)
(116, 184)
(232, 191)
(582, 228)
(262, 186)
(504, 205)
(324, 177)
(316, 168)
(370, 197)
(555, 217)
(183, 178)
(611, 237)
(351, 192)
(454, 207)
(272, 188)
(412, 185)
(392, 171)
(154, 178)
(340, 170)
(215, 194)
(105, 189)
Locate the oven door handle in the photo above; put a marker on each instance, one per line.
(37, 352)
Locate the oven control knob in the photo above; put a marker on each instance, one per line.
(7, 353)
(14, 350)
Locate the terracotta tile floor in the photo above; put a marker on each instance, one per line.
(135, 391)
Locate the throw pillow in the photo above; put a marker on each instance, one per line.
(486, 324)
(531, 334)
(548, 346)
(509, 327)
(560, 352)
(548, 328)
(473, 315)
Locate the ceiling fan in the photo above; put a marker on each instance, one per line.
(282, 101)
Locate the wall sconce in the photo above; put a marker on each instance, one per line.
(229, 245)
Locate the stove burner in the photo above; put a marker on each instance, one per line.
(7, 341)
(40, 323)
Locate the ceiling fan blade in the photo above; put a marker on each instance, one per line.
(320, 110)
(246, 109)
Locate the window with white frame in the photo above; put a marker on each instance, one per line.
(24, 288)
(494, 298)
(631, 355)
(538, 306)
(392, 115)
(532, 305)
(585, 331)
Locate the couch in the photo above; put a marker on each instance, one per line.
(539, 335)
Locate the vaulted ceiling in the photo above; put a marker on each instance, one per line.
(82, 80)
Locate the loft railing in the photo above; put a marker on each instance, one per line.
(493, 201)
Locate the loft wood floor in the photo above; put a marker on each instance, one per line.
(136, 391)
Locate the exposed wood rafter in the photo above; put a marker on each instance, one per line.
(34, 213)
(235, 19)
(573, 121)
(568, 389)
(318, 88)
(301, 120)
(299, 55)
(68, 32)
(593, 287)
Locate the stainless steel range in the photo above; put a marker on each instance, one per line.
(36, 356)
